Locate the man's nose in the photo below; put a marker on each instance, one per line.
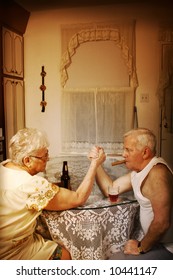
(124, 154)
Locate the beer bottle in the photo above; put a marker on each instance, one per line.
(65, 178)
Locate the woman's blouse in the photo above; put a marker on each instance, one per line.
(22, 198)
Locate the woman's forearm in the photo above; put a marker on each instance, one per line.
(103, 180)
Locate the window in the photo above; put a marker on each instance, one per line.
(98, 92)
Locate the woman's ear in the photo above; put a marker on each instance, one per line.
(26, 161)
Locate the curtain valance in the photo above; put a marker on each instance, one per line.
(123, 34)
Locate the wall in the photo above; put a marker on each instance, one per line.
(43, 47)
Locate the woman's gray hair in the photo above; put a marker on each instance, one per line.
(25, 142)
(144, 137)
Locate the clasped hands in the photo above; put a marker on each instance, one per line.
(95, 152)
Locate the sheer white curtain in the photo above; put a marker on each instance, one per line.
(96, 116)
(78, 120)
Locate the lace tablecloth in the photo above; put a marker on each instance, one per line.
(96, 230)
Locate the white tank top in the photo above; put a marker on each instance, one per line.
(146, 211)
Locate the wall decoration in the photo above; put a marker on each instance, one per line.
(43, 103)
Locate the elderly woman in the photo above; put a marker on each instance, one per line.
(24, 194)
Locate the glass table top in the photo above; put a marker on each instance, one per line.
(95, 202)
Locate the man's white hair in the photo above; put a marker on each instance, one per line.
(144, 137)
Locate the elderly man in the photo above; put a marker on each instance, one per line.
(151, 179)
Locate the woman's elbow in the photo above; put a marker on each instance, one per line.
(80, 200)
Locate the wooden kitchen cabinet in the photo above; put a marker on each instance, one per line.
(13, 84)
(13, 106)
(13, 58)
(13, 23)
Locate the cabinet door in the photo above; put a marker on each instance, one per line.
(12, 53)
(13, 107)
(19, 105)
(18, 54)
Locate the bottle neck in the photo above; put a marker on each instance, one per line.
(65, 178)
(65, 168)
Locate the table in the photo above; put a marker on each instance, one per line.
(96, 230)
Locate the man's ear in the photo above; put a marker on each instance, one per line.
(146, 153)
